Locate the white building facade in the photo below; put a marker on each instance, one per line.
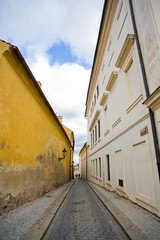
(122, 153)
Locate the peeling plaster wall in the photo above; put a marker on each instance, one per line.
(31, 140)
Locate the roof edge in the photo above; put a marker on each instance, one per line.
(95, 55)
(19, 55)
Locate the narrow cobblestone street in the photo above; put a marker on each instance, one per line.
(83, 217)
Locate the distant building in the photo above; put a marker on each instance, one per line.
(123, 103)
(32, 139)
(83, 162)
(76, 170)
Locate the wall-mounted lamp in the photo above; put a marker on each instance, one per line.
(64, 154)
(72, 164)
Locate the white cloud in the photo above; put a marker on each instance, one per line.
(65, 87)
(34, 26)
(37, 25)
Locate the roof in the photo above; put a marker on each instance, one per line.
(19, 55)
(84, 146)
(96, 51)
(70, 134)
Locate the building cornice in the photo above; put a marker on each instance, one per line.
(153, 101)
(106, 22)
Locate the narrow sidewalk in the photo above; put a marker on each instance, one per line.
(31, 220)
(136, 221)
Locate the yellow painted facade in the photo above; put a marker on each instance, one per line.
(83, 161)
(31, 136)
(71, 138)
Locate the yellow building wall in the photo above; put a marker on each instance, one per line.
(82, 160)
(71, 138)
(31, 139)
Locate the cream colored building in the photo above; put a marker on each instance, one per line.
(123, 103)
(83, 162)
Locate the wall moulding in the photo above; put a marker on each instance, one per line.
(127, 128)
(127, 45)
(107, 132)
(140, 97)
(103, 98)
(112, 80)
(116, 122)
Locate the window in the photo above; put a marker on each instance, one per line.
(94, 99)
(116, 101)
(97, 91)
(96, 168)
(131, 82)
(93, 136)
(95, 133)
(93, 167)
(100, 172)
(99, 130)
(106, 118)
(90, 112)
(108, 168)
(92, 106)
(91, 139)
(133, 89)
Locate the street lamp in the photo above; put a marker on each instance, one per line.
(64, 154)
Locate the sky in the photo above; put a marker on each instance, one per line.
(57, 39)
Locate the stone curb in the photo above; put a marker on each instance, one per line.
(39, 232)
(118, 217)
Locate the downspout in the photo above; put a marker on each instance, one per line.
(86, 161)
(151, 114)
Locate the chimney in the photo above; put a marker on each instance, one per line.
(60, 118)
(40, 84)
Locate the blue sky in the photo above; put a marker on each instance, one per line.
(61, 53)
(58, 40)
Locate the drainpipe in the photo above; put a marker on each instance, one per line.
(86, 161)
(151, 114)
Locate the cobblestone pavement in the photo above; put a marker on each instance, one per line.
(21, 222)
(83, 217)
(137, 222)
